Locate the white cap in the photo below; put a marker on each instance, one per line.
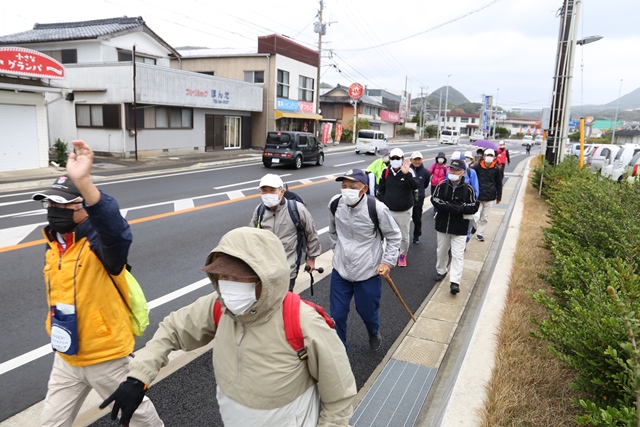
(416, 155)
(396, 152)
(501, 143)
(468, 155)
(456, 155)
(271, 180)
(489, 152)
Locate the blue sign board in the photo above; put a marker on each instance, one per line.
(287, 105)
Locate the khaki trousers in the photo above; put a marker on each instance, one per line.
(484, 209)
(70, 385)
(403, 219)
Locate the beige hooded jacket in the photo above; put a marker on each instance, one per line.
(253, 363)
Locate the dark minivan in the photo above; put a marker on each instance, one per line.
(292, 148)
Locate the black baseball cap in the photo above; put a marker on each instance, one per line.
(62, 191)
(354, 175)
(457, 164)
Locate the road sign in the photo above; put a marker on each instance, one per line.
(356, 91)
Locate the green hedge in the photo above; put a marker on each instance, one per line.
(594, 236)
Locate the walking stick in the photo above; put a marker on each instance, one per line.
(395, 290)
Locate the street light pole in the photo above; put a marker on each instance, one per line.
(446, 102)
(615, 121)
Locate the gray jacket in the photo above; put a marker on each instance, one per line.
(357, 249)
(279, 223)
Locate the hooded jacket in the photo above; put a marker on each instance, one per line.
(259, 376)
(489, 181)
(357, 247)
(438, 171)
(453, 203)
(279, 222)
(397, 189)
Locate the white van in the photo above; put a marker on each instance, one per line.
(369, 140)
(449, 137)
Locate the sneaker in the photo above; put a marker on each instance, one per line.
(479, 237)
(473, 230)
(455, 288)
(402, 261)
(375, 341)
(416, 240)
(438, 277)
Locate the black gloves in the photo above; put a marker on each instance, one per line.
(456, 209)
(126, 399)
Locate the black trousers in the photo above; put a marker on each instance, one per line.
(417, 218)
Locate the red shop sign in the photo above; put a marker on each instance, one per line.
(356, 91)
(31, 63)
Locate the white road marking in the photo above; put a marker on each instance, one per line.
(179, 205)
(350, 163)
(14, 235)
(238, 194)
(246, 182)
(305, 181)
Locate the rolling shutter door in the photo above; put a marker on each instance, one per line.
(18, 138)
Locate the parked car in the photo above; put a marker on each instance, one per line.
(449, 137)
(602, 157)
(370, 140)
(538, 139)
(476, 136)
(292, 148)
(527, 139)
(574, 149)
(618, 166)
(632, 173)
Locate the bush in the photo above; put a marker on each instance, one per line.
(405, 131)
(594, 237)
(431, 131)
(61, 152)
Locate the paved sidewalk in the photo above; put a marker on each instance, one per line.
(432, 375)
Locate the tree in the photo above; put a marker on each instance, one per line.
(431, 131)
(347, 131)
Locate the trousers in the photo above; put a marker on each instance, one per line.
(403, 219)
(484, 209)
(70, 385)
(367, 294)
(457, 245)
(416, 216)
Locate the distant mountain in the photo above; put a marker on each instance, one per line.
(630, 100)
(455, 97)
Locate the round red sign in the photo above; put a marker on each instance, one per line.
(356, 91)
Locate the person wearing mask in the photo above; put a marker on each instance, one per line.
(291, 221)
(261, 380)
(438, 171)
(503, 156)
(472, 179)
(424, 178)
(490, 184)
(376, 167)
(456, 200)
(479, 155)
(88, 320)
(359, 256)
(397, 191)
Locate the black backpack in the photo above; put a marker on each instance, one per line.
(371, 207)
(292, 197)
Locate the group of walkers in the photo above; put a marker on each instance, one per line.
(277, 360)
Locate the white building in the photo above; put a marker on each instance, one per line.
(175, 111)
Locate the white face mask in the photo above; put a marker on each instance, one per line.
(488, 159)
(396, 164)
(351, 197)
(440, 160)
(270, 200)
(452, 177)
(237, 296)
(385, 159)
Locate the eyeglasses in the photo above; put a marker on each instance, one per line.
(49, 204)
(395, 158)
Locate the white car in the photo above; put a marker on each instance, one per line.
(476, 136)
(538, 139)
(527, 139)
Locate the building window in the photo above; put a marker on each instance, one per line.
(232, 132)
(473, 120)
(254, 76)
(464, 119)
(125, 56)
(149, 117)
(63, 56)
(98, 116)
(283, 84)
(206, 73)
(305, 89)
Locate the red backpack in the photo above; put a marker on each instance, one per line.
(291, 317)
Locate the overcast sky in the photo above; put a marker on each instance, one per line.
(505, 48)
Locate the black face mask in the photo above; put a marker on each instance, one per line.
(61, 220)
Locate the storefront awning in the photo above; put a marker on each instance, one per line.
(280, 114)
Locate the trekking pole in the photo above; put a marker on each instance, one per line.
(310, 271)
(395, 290)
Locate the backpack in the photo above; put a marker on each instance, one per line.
(371, 207)
(137, 305)
(291, 317)
(292, 207)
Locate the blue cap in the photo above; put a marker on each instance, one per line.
(354, 175)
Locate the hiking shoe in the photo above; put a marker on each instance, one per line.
(473, 230)
(479, 237)
(402, 261)
(455, 288)
(375, 341)
(438, 277)
(416, 240)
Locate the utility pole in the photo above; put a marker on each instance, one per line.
(421, 113)
(495, 113)
(615, 121)
(439, 112)
(320, 28)
(446, 102)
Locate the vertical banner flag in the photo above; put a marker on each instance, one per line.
(485, 114)
(338, 132)
(326, 133)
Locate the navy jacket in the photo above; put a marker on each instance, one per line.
(452, 204)
(423, 177)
